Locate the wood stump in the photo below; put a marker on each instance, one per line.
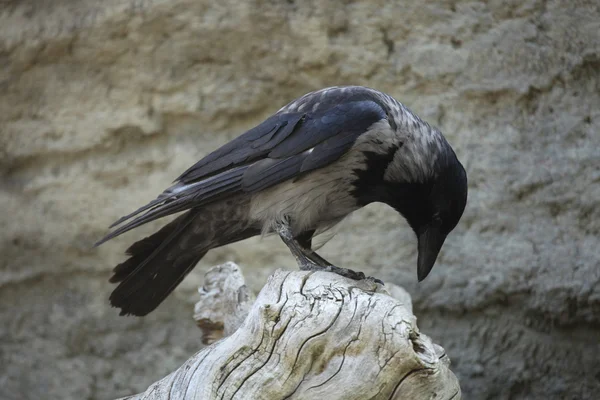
(308, 335)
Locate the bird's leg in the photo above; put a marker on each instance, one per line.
(305, 241)
(307, 259)
(299, 253)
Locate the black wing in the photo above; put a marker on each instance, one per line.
(282, 147)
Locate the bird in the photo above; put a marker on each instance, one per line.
(297, 174)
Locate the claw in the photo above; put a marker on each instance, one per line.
(376, 280)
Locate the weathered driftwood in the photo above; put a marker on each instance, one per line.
(308, 335)
(225, 302)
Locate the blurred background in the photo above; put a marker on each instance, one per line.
(103, 104)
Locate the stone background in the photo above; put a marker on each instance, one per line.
(103, 104)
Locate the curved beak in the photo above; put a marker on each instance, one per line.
(430, 243)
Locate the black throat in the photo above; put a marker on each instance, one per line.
(369, 185)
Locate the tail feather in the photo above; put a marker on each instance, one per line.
(157, 265)
(143, 250)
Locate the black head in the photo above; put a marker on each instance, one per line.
(433, 209)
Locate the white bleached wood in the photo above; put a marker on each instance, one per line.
(308, 335)
(225, 301)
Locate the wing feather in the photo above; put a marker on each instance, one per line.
(268, 172)
(250, 146)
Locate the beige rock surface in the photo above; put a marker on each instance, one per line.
(103, 103)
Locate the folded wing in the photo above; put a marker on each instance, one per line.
(284, 146)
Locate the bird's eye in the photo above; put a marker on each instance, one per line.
(436, 219)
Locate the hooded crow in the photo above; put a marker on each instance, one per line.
(298, 173)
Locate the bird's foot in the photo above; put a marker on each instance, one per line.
(376, 280)
(308, 265)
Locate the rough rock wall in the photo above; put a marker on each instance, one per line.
(103, 104)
